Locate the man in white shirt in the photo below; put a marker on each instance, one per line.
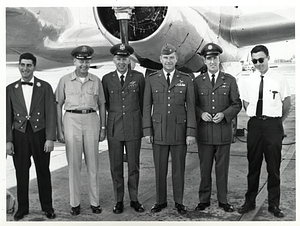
(267, 102)
(30, 131)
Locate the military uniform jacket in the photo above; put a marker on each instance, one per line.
(169, 112)
(42, 114)
(224, 97)
(124, 105)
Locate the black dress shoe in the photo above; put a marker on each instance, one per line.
(181, 208)
(276, 211)
(226, 207)
(246, 207)
(20, 215)
(158, 207)
(118, 208)
(75, 210)
(50, 214)
(96, 209)
(137, 206)
(202, 205)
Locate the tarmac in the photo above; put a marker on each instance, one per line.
(212, 215)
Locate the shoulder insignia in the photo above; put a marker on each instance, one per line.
(153, 73)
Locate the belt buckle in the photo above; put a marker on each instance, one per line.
(84, 111)
(264, 117)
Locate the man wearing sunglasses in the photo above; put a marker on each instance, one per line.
(267, 100)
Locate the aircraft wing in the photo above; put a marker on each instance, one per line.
(52, 33)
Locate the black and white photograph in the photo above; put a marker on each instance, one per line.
(139, 112)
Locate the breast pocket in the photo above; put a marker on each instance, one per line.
(223, 95)
(114, 95)
(273, 94)
(158, 94)
(72, 96)
(179, 95)
(133, 93)
(92, 95)
(203, 97)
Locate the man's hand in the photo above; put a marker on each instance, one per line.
(218, 117)
(102, 135)
(49, 146)
(190, 140)
(149, 139)
(10, 150)
(206, 117)
(60, 136)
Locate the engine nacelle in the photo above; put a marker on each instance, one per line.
(151, 27)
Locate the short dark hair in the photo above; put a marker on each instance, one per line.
(260, 48)
(28, 56)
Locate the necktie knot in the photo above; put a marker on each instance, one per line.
(27, 83)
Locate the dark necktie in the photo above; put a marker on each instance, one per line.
(260, 97)
(213, 80)
(168, 79)
(122, 80)
(27, 83)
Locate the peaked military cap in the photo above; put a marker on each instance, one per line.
(211, 49)
(167, 49)
(121, 50)
(83, 52)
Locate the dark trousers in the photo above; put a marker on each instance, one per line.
(207, 154)
(26, 145)
(161, 157)
(116, 153)
(264, 139)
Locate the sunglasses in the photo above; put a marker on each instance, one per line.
(260, 60)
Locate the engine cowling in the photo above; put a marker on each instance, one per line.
(150, 28)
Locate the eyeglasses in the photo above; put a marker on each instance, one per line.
(260, 60)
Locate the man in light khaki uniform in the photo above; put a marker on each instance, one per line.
(82, 95)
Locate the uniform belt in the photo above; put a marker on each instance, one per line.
(80, 111)
(264, 117)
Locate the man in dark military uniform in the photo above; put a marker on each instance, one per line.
(217, 103)
(169, 123)
(30, 131)
(124, 91)
(81, 128)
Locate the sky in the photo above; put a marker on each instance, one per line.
(282, 50)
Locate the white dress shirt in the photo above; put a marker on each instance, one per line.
(275, 90)
(27, 93)
(170, 76)
(210, 75)
(119, 74)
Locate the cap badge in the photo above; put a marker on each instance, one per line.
(210, 47)
(122, 47)
(84, 49)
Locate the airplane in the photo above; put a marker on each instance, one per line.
(52, 32)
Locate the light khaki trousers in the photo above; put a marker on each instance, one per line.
(82, 137)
